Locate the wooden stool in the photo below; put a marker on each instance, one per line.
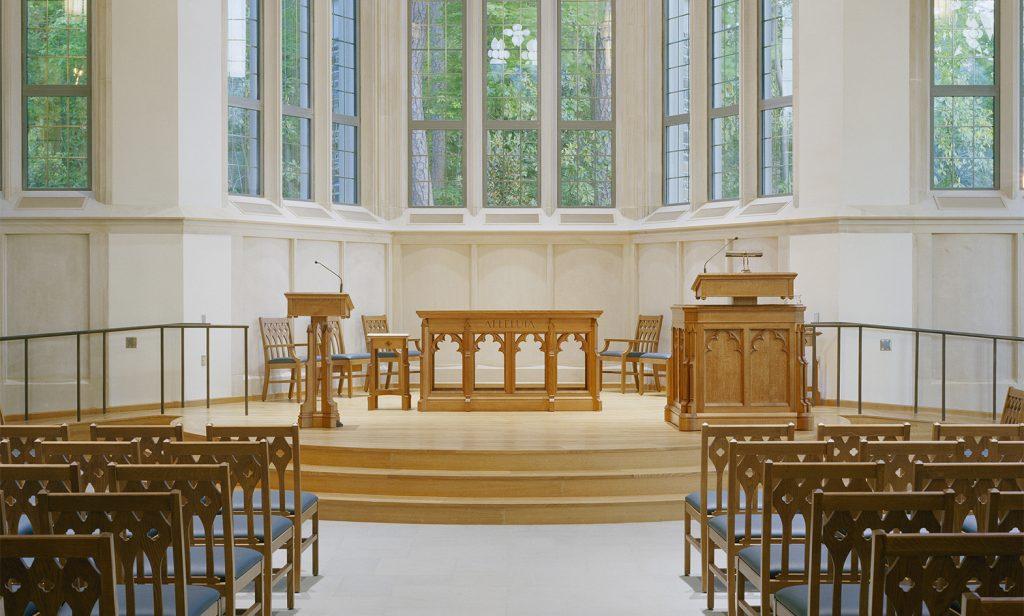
(387, 346)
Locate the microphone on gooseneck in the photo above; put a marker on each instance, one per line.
(727, 244)
(341, 283)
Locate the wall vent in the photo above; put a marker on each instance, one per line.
(435, 219)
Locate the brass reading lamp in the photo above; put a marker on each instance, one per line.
(746, 256)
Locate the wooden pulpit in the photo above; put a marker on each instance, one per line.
(319, 306)
(741, 362)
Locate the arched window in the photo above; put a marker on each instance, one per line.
(56, 91)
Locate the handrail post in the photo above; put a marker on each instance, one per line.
(995, 377)
(943, 377)
(162, 403)
(814, 366)
(207, 366)
(24, 362)
(78, 377)
(860, 370)
(183, 367)
(103, 386)
(839, 366)
(245, 367)
(917, 369)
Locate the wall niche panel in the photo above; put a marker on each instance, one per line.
(366, 281)
(591, 277)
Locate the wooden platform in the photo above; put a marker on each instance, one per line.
(624, 464)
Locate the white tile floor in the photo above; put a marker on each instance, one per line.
(422, 570)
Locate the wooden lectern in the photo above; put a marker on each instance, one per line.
(738, 363)
(318, 306)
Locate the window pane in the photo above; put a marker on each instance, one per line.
(243, 48)
(725, 158)
(963, 137)
(343, 57)
(777, 152)
(58, 142)
(437, 168)
(964, 42)
(512, 168)
(243, 151)
(56, 42)
(586, 59)
(677, 57)
(295, 153)
(295, 53)
(725, 53)
(777, 48)
(435, 40)
(345, 165)
(585, 168)
(677, 164)
(512, 57)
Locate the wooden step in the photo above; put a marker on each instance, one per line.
(499, 460)
(505, 510)
(502, 483)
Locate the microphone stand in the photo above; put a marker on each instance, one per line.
(718, 252)
(341, 283)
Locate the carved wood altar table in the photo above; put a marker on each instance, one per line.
(510, 329)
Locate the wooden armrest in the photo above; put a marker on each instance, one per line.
(628, 341)
(282, 346)
(416, 343)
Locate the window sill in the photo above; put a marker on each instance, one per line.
(54, 199)
(969, 200)
(254, 205)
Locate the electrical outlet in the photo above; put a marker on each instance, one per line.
(885, 344)
(202, 360)
(131, 342)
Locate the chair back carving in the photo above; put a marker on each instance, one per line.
(788, 488)
(913, 572)
(840, 527)
(93, 459)
(1005, 512)
(374, 324)
(21, 485)
(337, 335)
(205, 494)
(648, 333)
(57, 575)
(248, 463)
(22, 440)
(714, 453)
(276, 334)
(1008, 451)
(283, 445)
(1013, 408)
(900, 456)
(147, 529)
(746, 474)
(151, 438)
(977, 437)
(970, 482)
(848, 437)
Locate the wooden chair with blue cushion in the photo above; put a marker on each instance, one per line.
(205, 497)
(93, 459)
(839, 545)
(971, 482)
(977, 437)
(710, 499)
(627, 358)
(1013, 408)
(285, 449)
(378, 324)
(787, 489)
(22, 440)
(915, 574)
(899, 458)
(742, 524)
(50, 574)
(21, 485)
(344, 361)
(151, 438)
(848, 438)
(149, 542)
(280, 352)
(251, 526)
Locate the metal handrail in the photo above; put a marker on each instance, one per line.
(25, 338)
(917, 331)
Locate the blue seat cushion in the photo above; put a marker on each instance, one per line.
(278, 526)
(656, 356)
(392, 354)
(752, 556)
(245, 560)
(308, 500)
(350, 356)
(286, 360)
(970, 524)
(693, 498)
(795, 599)
(200, 599)
(720, 526)
(633, 354)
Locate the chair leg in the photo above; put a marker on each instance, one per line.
(316, 541)
(387, 379)
(641, 379)
(291, 384)
(268, 585)
(622, 376)
(686, 544)
(266, 382)
(637, 374)
(657, 379)
(351, 375)
(291, 578)
(297, 550)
